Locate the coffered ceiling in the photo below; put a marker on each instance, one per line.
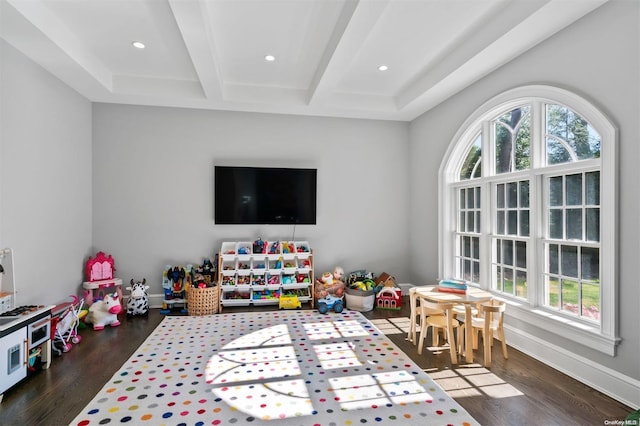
(211, 53)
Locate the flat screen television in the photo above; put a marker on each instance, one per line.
(264, 195)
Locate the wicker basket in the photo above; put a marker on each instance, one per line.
(202, 301)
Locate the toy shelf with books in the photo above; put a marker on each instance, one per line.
(258, 273)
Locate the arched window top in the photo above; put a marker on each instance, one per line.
(472, 166)
(569, 137)
(513, 140)
(573, 129)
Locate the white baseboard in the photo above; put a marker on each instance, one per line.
(610, 382)
(155, 300)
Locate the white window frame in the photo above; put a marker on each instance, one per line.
(602, 337)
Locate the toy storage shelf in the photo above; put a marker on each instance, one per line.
(248, 277)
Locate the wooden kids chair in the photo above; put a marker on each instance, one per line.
(491, 322)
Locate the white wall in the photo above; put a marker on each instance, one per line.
(45, 178)
(597, 58)
(153, 186)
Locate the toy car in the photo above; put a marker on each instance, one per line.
(289, 301)
(330, 302)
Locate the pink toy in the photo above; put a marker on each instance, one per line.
(273, 279)
(105, 312)
(100, 268)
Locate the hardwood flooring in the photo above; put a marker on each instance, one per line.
(517, 391)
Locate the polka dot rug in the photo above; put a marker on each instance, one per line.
(273, 367)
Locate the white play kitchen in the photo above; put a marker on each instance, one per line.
(25, 331)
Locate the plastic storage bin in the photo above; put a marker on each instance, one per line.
(228, 250)
(288, 249)
(258, 264)
(303, 249)
(274, 249)
(244, 250)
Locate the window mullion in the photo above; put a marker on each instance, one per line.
(487, 224)
(536, 251)
(537, 219)
(538, 140)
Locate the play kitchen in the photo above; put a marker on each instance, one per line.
(25, 331)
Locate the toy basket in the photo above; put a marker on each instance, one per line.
(202, 301)
(358, 300)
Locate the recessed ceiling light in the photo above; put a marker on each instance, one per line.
(269, 58)
(138, 44)
(383, 68)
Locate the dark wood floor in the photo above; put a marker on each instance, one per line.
(517, 391)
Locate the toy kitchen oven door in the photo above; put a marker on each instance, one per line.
(24, 347)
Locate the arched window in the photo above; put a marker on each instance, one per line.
(528, 210)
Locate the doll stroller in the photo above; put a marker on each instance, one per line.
(66, 327)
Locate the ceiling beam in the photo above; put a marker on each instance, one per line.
(193, 21)
(352, 29)
(458, 73)
(32, 28)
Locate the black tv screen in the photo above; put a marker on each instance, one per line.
(264, 195)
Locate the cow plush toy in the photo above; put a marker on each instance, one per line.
(105, 312)
(138, 303)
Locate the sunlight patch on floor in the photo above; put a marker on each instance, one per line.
(332, 330)
(365, 391)
(473, 380)
(263, 381)
(402, 323)
(392, 325)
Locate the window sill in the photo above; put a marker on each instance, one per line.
(575, 331)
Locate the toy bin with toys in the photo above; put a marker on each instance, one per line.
(360, 300)
(273, 279)
(360, 293)
(275, 264)
(236, 297)
(202, 301)
(228, 251)
(244, 249)
(274, 250)
(288, 249)
(302, 248)
(259, 265)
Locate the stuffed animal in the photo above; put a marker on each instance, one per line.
(327, 279)
(330, 283)
(105, 312)
(138, 303)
